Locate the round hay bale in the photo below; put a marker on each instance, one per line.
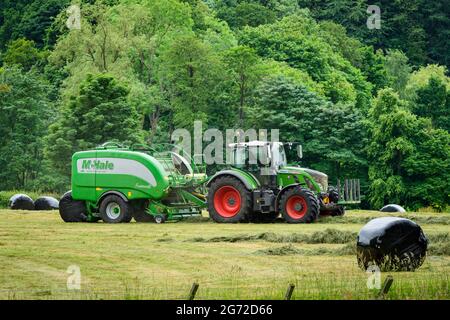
(21, 202)
(46, 203)
(391, 244)
(392, 208)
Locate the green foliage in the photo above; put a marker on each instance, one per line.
(244, 13)
(428, 170)
(98, 114)
(191, 72)
(25, 113)
(296, 41)
(390, 126)
(243, 62)
(27, 19)
(23, 53)
(398, 71)
(433, 101)
(412, 166)
(419, 28)
(371, 64)
(421, 78)
(428, 90)
(332, 135)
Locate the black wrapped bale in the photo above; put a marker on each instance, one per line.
(21, 202)
(72, 210)
(46, 203)
(392, 208)
(392, 244)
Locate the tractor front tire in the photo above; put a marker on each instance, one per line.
(72, 210)
(299, 205)
(228, 200)
(113, 209)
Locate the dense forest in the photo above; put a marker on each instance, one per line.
(371, 103)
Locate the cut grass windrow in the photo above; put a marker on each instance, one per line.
(326, 236)
(441, 249)
(332, 236)
(419, 219)
(348, 249)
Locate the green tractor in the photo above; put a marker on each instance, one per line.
(259, 185)
(114, 183)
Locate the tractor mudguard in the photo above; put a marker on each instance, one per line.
(249, 181)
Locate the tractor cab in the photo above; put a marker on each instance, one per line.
(266, 156)
(263, 158)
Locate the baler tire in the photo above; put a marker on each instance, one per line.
(160, 218)
(309, 211)
(229, 186)
(121, 208)
(128, 218)
(72, 210)
(142, 217)
(139, 213)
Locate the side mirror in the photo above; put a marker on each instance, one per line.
(300, 151)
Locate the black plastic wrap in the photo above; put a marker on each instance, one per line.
(392, 208)
(72, 210)
(393, 244)
(46, 203)
(21, 202)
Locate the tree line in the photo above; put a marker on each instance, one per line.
(364, 103)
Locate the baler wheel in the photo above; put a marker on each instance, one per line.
(299, 205)
(228, 200)
(160, 218)
(113, 209)
(72, 210)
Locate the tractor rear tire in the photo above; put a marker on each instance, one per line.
(113, 209)
(228, 200)
(72, 210)
(299, 205)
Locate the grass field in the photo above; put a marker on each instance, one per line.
(243, 261)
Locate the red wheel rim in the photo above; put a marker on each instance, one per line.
(227, 201)
(296, 207)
